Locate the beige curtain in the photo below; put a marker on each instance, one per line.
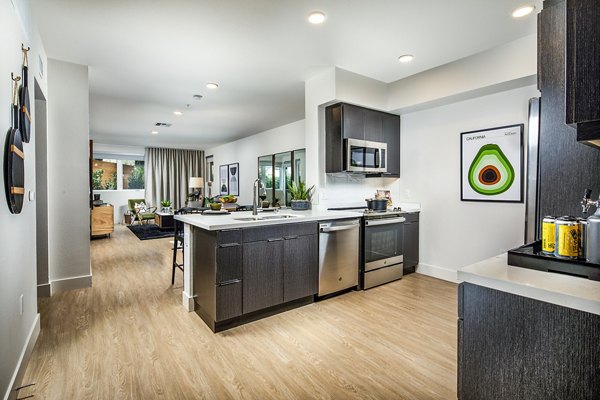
(168, 172)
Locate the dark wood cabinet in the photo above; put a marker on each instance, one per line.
(244, 274)
(575, 39)
(300, 268)
(347, 121)
(558, 146)
(514, 347)
(263, 274)
(411, 242)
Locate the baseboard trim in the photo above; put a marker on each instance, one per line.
(23, 359)
(438, 272)
(72, 283)
(188, 301)
(44, 290)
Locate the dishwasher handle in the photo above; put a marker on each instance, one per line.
(339, 228)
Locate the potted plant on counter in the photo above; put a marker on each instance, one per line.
(301, 195)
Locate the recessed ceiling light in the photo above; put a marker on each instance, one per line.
(155, 132)
(406, 58)
(523, 11)
(177, 113)
(212, 85)
(316, 17)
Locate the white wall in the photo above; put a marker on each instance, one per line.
(118, 198)
(68, 181)
(453, 233)
(18, 330)
(247, 150)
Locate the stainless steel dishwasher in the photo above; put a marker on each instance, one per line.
(338, 255)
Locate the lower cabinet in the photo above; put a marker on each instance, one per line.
(239, 272)
(280, 269)
(300, 267)
(263, 274)
(411, 242)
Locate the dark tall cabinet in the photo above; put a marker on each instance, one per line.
(567, 167)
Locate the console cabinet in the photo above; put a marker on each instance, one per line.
(102, 220)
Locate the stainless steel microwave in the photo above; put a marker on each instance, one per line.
(365, 156)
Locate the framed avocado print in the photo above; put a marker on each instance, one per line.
(491, 163)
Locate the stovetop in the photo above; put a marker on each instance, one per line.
(373, 214)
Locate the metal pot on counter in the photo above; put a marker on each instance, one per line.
(377, 204)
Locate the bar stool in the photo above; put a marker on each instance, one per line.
(178, 238)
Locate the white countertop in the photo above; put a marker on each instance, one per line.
(564, 290)
(216, 222)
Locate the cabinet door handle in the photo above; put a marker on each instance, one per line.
(230, 282)
(291, 237)
(275, 240)
(225, 245)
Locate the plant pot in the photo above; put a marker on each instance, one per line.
(265, 204)
(215, 206)
(300, 205)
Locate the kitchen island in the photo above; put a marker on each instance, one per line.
(240, 267)
(527, 334)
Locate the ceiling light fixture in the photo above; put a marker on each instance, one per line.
(406, 58)
(523, 11)
(212, 85)
(197, 97)
(155, 132)
(317, 17)
(177, 113)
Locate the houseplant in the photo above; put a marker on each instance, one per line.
(301, 195)
(166, 205)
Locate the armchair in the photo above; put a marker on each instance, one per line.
(138, 214)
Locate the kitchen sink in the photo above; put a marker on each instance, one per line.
(267, 217)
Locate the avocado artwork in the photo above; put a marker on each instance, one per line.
(491, 172)
(492, 164)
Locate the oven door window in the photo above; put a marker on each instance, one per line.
(383, 241)
(364, 157)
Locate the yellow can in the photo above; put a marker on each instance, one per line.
(548, 235)
(568, 235)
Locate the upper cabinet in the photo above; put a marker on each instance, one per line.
(346, 121)
(581, 28)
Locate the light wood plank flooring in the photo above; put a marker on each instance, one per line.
(128, 337)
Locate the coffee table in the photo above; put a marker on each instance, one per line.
(164, 220)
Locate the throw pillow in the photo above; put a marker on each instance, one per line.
(140, 207)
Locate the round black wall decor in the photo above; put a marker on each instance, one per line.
(14, 158)
(14, 171)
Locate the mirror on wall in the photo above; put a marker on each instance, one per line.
(277, 171)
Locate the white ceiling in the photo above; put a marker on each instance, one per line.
(147, 58)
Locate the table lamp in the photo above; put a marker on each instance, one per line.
(196, 182)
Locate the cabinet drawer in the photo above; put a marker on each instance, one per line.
(229, 263)
(264, 233)
(229, 300)
(411, 217)
(229, 236)
(302, 229)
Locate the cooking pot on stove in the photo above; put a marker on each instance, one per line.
(377, 204)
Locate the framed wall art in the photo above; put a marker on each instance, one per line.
(223, 180)
(234, 179)
(492, 164)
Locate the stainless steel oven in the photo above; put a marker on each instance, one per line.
(365, 156)
(383, 248)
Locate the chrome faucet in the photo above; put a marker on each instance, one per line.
(257, 186)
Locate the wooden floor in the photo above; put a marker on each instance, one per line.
(128, 337)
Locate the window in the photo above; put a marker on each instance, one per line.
(109, 174)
